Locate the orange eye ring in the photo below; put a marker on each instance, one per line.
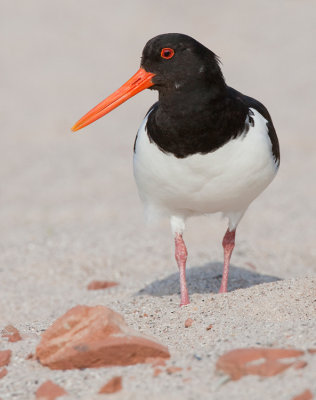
(167, 53)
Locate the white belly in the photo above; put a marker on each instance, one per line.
(226, 180)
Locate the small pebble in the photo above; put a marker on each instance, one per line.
(188, 322)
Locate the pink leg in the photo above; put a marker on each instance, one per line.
(181, 257)
(228, 244)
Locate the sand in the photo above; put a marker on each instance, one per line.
(70, 212)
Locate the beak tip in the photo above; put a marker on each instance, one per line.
(75, 128)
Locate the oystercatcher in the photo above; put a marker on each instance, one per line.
(202, 148)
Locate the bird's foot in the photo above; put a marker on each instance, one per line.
(223, 289)
(184, 300)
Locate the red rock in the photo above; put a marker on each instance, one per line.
(188, 322)
(241, 362)
(90, 337)
(114, 385)
(49, 391)
(11, 333)
(209, 327)
(97, 285)
(173, 370)
(307, 395)
(3, 372)
(299, 364)
(312, 351)
(5, 356)
(157, 371)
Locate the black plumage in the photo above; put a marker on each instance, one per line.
(196, 112)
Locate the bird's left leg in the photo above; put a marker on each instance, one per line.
(181, 254)
(229, 244)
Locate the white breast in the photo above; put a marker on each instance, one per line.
(226, 180)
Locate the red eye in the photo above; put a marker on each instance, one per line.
(167, 53)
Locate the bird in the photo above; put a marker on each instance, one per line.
(202, 148)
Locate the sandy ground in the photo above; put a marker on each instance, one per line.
(70, 213)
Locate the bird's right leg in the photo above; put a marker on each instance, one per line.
(181, 254)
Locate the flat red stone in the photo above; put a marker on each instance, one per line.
(306, 395)
(11, 333)
(97, 285)
(241, 362)
(49, 391)
(299, 364)
(90, 337)
(5, 356)
(114, 385)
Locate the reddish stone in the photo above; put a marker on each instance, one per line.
(312, 351)
(49, 391)
(299, 364)
(209, 327)
(97, 285)
(114, 385)
(11, 333)
(188, 322)
(3, 372)
(90, 337)
(173, 370)
(241, 362)
(157, 371)
(307, 395)
(5, 356)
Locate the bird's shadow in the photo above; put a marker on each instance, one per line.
(207, 279)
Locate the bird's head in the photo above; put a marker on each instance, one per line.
(171, 63)
(180, 63)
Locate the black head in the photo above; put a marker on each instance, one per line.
(180, 63)
(179, 67)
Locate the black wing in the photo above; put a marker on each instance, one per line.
(253, 103)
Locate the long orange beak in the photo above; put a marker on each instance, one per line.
(138, 82)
